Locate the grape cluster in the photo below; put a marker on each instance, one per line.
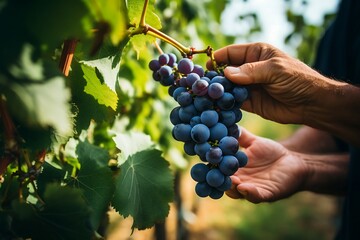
(205, 120)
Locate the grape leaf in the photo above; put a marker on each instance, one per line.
(113, 12)
(64, 216)
(130, 143)
(49, 174)
(135, 8)
(86, 107)
(95, 180)
(108, 67)
(101, 92)
(71, 21)
(144, 189)
(42, 105)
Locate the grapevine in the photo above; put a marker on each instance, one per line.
(62, 99)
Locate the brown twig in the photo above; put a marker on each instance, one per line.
(67, 55)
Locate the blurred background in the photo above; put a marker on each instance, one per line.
(294, 26)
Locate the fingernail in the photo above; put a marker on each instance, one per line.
(232, 70)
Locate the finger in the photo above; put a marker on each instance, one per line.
(229, 55)
(246, 138)
(250, 73)
(250, 192)
(233, 192)
(238, 54)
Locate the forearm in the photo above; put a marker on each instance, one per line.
(337, 111)
(326, 174)
(311, 140)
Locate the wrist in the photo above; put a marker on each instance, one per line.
(325, 173)
(335, 109)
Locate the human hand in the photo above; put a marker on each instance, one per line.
(272, 172)
(282, 87)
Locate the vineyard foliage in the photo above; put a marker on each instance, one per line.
(77, 139)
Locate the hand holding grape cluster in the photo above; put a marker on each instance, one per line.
(205, 120)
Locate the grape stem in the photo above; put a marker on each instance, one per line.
(144, 28)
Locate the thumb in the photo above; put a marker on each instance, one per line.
(248, 73)
(246, 138)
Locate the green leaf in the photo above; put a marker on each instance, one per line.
(49, 174)
(100, 91)
(135, 8)
(130, 143)
(95, 180)
(89, 154)
(86, 107)
(65, 215)
(114, 13)
(42, 105)
(144, 189)
(51, 22)
(108, 67)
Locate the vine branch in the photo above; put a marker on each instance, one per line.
(144, 28)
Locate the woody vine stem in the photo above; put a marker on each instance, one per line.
(145, 28)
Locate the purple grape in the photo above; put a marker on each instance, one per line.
(185, 66)
(178, 91)
(167, 81)
(240, 94)
(182, 82)
(171, 90)
(228, 86)
(200, 87)
(172, 59)
(209, 117)
(181, 132)
(218, 131)
(215, 177)
(189, 148)
(154, 65)
(214, 155)
(163, 59)
(191, 78)
(195, 120)
(211, 74)
(216, 193)
(234, 131)
(165, 71)
(200, 133)
(226, 102)
(203, 103)
(184, 99)
(156, 76)
(242, 158)
(227, 118)
(199, 70)
(186, 113)
(229, 145)
(198, 172)
(201, 149)
(174, 116)
(216, 90)
(202, 189)
(226, 185)
(238, 114)
(229, 165)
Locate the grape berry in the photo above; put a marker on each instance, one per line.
(205, 120)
